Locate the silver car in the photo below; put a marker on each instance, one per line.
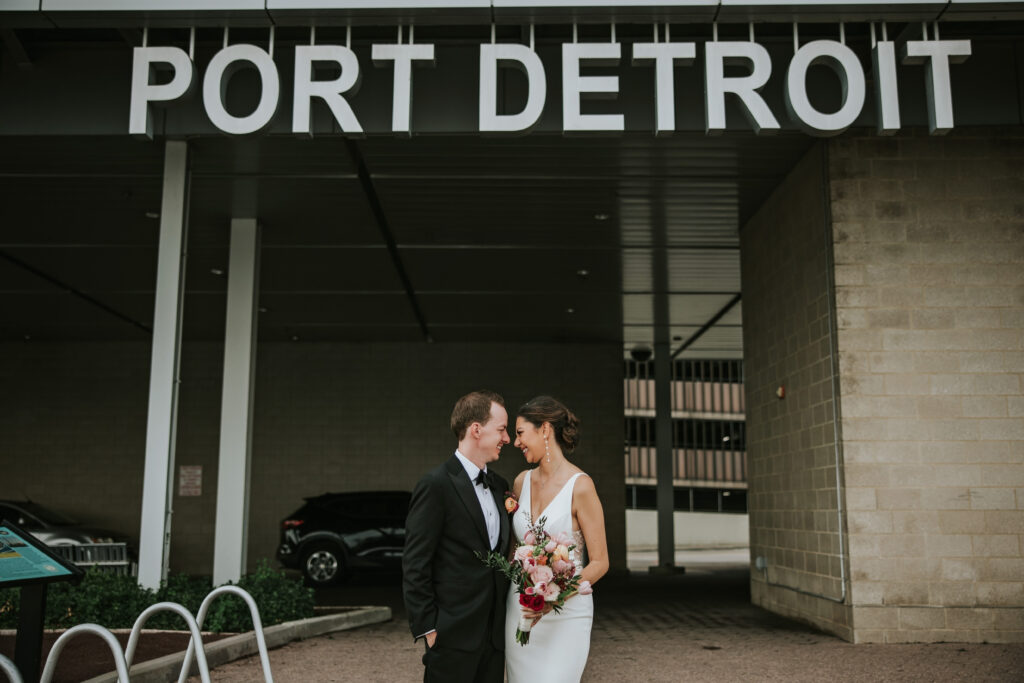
(52, 528)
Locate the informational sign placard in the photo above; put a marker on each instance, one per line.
(25, 560)
(190, 480)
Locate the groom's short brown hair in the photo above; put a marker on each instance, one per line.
(473, 407)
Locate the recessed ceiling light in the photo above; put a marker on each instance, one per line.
(570, 310)
(295, 337)
(216, 271)
(152, 214)
(725, 438)
(601, 216)
(583, 272)
(262, 310)
(726, 493)
(28, 337)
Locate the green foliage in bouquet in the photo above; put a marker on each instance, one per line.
(513, 571)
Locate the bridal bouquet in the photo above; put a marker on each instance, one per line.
(542, 572)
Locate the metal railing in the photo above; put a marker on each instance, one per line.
(708, 422)
(122, 661)
(689, 465)
(7, 666)
(112, 558)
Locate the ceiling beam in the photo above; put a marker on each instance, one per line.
(74, 291)
(385, 231)
(15, 47)
(707, 326)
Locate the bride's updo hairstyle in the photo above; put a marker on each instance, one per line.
(563, 421)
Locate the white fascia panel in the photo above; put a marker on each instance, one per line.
(831, 10)
(151, 5)
(19, 6)
(639, 11)
(385, 5)
(611, 4)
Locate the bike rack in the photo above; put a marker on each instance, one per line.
(133, 639)
(7, 666)
(115, 648)
(257, 626)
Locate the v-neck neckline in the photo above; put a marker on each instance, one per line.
(534, 520)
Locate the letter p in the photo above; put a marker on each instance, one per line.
(144, 92)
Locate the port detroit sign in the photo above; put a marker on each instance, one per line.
(581, 78)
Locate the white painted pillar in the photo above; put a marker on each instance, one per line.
(231, 532)
(161, 424)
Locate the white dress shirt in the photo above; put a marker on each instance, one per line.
(487, 504)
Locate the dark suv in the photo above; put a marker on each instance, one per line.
(337, 532)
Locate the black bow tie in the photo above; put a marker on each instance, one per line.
(483, 479)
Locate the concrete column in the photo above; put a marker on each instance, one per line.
(664, 491)
(161, 425)
(663, 443)
(231, 531)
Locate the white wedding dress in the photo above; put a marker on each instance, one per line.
(559, 643)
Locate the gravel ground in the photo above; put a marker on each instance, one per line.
(696, 627)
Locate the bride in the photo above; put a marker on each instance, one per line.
(565, 495)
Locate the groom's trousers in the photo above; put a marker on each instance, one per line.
(448, 665)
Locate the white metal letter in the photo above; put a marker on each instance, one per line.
(887, 97)
(844, 62)
(665, 56)
(575, 86)
(140, 122)
(522, 57)
(329, 91)
(215, 83)
(402, 56)
(937, 55)
(716, 85)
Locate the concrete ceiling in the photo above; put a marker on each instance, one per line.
(540, 238)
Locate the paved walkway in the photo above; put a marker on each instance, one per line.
(696, 627)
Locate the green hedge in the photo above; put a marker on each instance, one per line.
(116, 602)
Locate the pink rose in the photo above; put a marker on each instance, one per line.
(550, 547)
(530, 538)
(541, 574)
(563, 538)
(563, 567)
(551, 594)
(523, 552)
(585, 588)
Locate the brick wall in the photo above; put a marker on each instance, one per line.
(794, 521)
(328, 417)
(929, 252)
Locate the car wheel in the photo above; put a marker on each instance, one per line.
(322, 564)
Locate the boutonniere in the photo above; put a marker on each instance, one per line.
(511, 502)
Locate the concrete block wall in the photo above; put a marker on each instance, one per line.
(929, 254)
(793, 498)
(328, 417)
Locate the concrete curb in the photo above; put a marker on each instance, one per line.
(166, 669)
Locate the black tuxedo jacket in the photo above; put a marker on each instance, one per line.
(446, 587)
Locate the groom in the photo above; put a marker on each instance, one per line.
(454, 601)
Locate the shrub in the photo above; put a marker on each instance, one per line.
(117, 601)
(278, 598)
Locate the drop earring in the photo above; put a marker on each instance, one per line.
(547, 449)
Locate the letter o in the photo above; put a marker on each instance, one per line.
(219, 72)
(845, 64)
